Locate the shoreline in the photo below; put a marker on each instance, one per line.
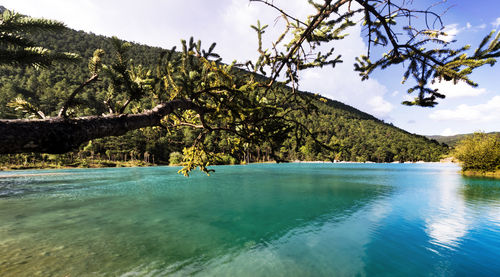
(88, 164)
(485, 174)
(32, 174)
(114, 164)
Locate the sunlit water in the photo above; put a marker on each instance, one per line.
(256, 220)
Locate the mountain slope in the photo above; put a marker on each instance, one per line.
(452, 140)
(356, 135)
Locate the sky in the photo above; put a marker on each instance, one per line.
(164, 23)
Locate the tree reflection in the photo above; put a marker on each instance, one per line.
(480, 190)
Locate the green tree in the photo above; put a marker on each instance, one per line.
(479, 152)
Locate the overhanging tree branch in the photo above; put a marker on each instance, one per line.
(60, 135)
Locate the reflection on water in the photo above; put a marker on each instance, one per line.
(483, 196)
(447, 222)
(481, 190)
(258, 220)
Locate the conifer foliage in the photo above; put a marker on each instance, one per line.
(17, 49)
(411, 37)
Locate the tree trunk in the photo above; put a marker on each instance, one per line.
(60, 135)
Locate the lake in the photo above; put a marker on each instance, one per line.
(255, 220)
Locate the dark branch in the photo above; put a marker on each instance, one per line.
(64, 108)
(59, 135)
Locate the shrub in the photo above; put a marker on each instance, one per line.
(175, 158)
(479, 151)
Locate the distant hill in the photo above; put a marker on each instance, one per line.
(358, 135)
(452, 140)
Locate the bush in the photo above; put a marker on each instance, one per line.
(479, 152)
(226, 159)
(175, 158)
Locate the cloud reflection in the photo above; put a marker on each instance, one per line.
(448, 222)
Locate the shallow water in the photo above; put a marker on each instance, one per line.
(256, 220)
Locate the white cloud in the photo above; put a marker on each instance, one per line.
(470, 27)
(342, 83)
(488, 112)
(311, 75)
(379, 105)
(451, 31)
(496, 23)
(447, 132)
(57, 9)
(461, 89)
(395, 93)
(409, 97)
(240, 40)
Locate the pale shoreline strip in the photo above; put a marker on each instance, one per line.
(31, 175)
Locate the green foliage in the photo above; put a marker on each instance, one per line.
(479, 152)
(95, 63)
(19, 104)
(176, 158)
(17, 49)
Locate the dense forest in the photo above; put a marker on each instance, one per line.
(355, 135)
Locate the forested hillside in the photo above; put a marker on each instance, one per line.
(355, 136)
(453, 140)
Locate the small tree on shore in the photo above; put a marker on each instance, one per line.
(479, 152)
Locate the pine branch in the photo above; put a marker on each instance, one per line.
(37, 56)
(67, 103)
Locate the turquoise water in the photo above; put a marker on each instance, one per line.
(255, 220)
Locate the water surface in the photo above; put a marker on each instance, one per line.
(256, 220)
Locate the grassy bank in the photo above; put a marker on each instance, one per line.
(478, 173)
(94, 163)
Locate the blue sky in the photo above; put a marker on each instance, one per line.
(164, 23)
